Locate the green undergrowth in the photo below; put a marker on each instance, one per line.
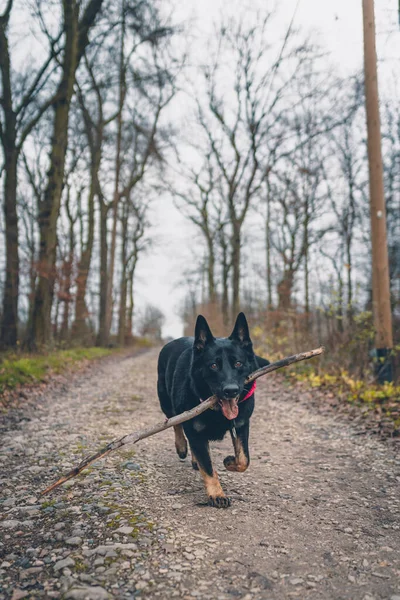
(17, 369)
(330, 375)
(354, 390)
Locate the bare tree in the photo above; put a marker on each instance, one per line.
(349, 152)
(21, 108)
(150, 322)
(134, 242)
(241, 133)
(143, 95)
(76, 30)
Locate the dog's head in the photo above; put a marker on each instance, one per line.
(221, 365)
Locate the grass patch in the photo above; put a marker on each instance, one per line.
(17, 370)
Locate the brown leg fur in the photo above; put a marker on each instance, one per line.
(194, 461)
(180, 441)
(239, 462)
(215, 493)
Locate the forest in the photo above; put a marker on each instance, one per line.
(260, 145)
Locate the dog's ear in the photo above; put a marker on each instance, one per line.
(241, 333)
(202, 334)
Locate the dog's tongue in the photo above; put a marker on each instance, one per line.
(230, 408)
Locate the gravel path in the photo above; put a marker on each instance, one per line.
(315, 516)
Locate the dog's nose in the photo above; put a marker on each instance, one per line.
(231, 390)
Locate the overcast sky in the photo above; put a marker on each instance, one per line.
(337, 27)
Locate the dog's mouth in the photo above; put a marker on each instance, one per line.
(229, 407)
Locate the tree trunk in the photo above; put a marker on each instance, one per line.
(268, 247)
(76, 40)
(102, 338)
(340, 305)
(80, 329)
(285, 287)
(116, 198)
(40, 330)
(211, 271)
(124, 284)
(349, 281)
(9, 324)
(129, 316)
(66, 289)
(306, 272)
(225, 277)
(235, 269)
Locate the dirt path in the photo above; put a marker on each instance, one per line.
(315, 516)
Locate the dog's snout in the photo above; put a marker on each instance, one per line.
(231, 390)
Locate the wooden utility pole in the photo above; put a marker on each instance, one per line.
(380, 263)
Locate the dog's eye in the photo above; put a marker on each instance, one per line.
(214, 367)
(238, 364)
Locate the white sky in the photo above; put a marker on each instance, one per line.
(338, 28)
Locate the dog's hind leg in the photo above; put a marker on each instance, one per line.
(215, 493)
(180, 442)
(241, 460)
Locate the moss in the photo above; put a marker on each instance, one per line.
(131, 516)
(79, 447)
(80, 566)
(136, 398)
(127, 453)
(114, 522)
(17, 369)
(48, 503)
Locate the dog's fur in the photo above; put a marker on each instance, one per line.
(193, 369)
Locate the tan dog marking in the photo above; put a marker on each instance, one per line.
(239, 462)
(215, 493)
(180, 441)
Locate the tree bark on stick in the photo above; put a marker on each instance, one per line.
(136, 436)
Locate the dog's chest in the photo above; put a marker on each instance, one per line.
(213, 428)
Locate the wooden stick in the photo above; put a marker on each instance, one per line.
(136, 436)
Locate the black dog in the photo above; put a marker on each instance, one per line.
(193, 369)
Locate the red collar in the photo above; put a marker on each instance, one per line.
(250, 392)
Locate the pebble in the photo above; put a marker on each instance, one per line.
(87, 593)
(19, 594)
(124, 530)
(65, 562)
(141, 585)
(131, 466)
(74, 541)
(10, 502)
(10, 523)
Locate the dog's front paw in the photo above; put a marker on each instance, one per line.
(231, 464)
(219, 501)
(181, 448)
